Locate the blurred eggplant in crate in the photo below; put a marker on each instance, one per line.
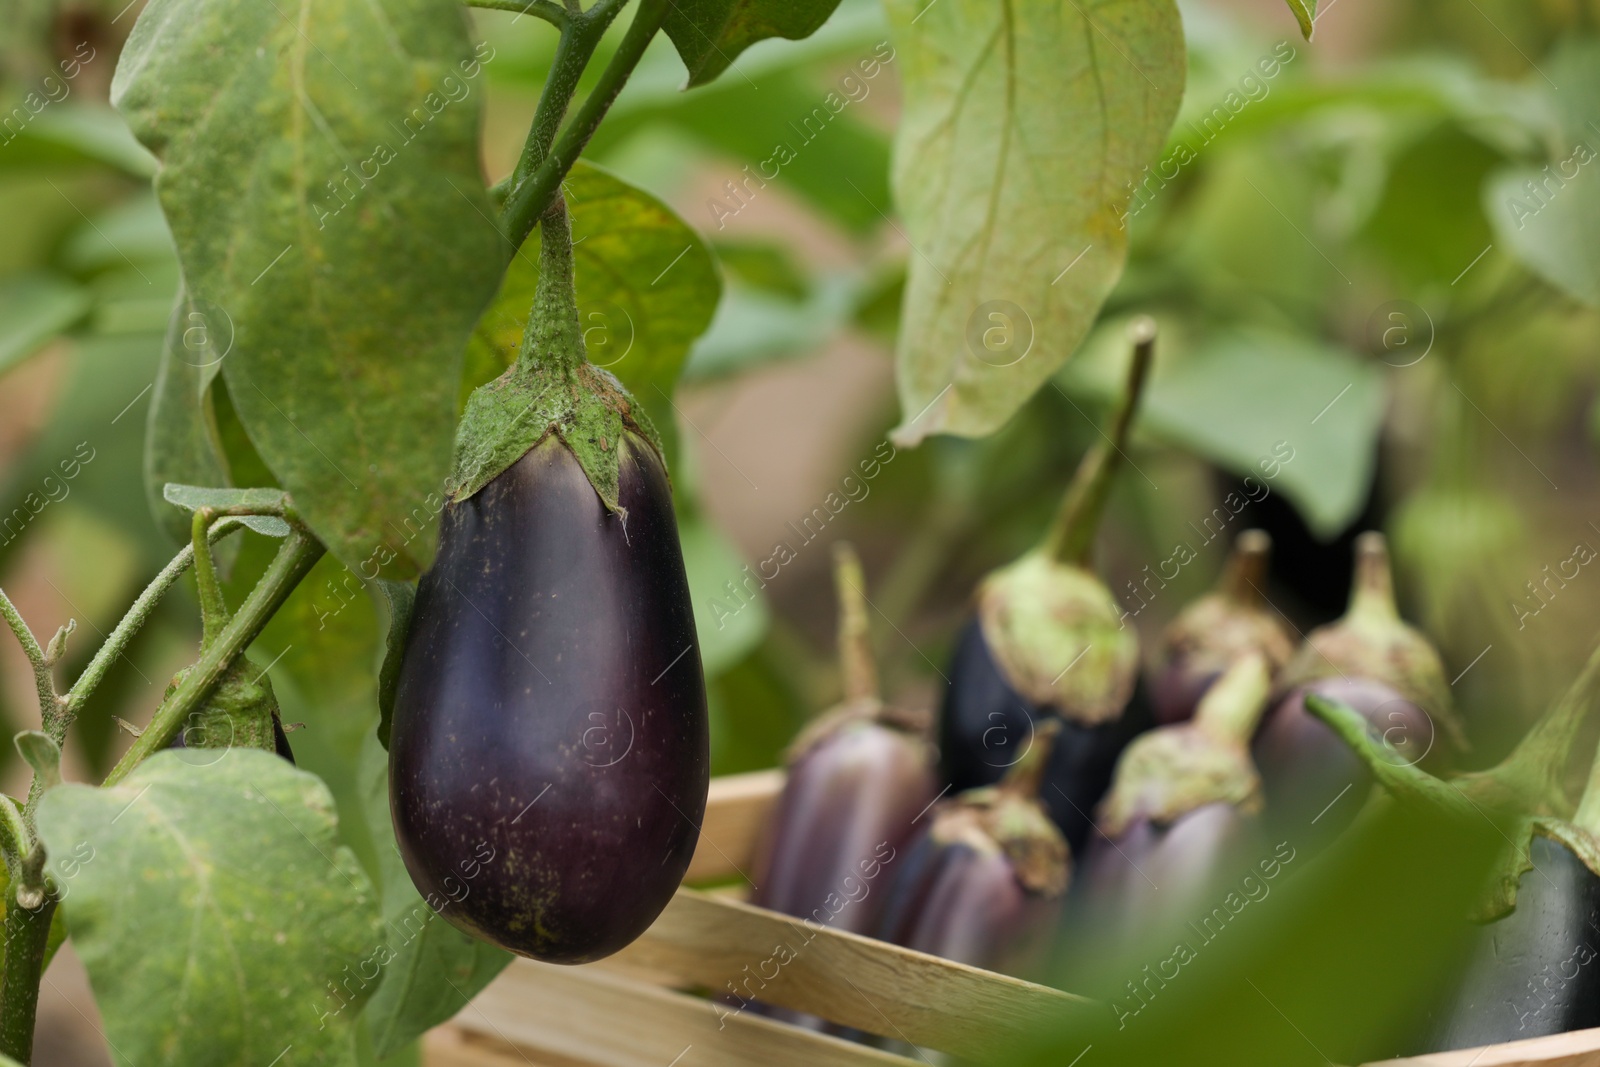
(1049, 642)
(984, 882)
(1371, 660)
(857, 780)
(1209, 635)
(1182, 806)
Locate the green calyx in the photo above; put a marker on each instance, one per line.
(1372, 641)
(240, 713)
(1058, 637)
(1234, 618)
(552, 388)
(1009, 818)
(1171, 771)
(1523, 794)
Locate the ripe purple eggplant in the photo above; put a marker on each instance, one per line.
(985, 882)
(1373, 661)
(1182, 806)
(1532, 969)
(1049, 642)
(1214, 631)
(549, 750)
(857, 781)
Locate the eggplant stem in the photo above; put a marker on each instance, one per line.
(1232, 705)
(1071, 535)
(1026, 776)
(1372, 591)
(213, 607)
(1246, 570)
(1406, 781)
(856, 664)
(554, 337)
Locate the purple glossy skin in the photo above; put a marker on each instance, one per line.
(840, 825)
(549, 755)
(1304, 766)
(1158, 875)
(954, 901)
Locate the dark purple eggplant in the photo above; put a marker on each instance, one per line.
(1050, 642)
(1210, 634)
(1373, 661)
(1182, 806)
(857, 781)
(1532, 970)
(549, 749)
(985, 881)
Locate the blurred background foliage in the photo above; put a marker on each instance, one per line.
(1337, 258)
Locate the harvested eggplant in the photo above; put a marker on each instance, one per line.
(1183, 804)
(857, 781)
(1214, 631)
(1531, 971)
(985, 881)
(1374, 662)
(549, 751)
(1049, 642)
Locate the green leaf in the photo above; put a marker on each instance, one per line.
(1023, 126)
(1305, 13)
(431, 969)
(730, 611)
(710, 34)
(182, 445)
(320, 176)
(194, 497)
(71, 134)
(218, 914)
(400, 597)
(33, 309)
(647, 287)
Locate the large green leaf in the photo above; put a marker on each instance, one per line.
(430, 968)
(1549, 216)
(1023, 126)
(320, 176)
(647, 287)
(710, 34)
(219, 919)
(33, 309)
(181, 444)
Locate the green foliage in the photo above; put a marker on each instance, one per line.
(400, 598)
(998, 297)
(248, 909)
(710, 34)
(307, 166)
(33, 309)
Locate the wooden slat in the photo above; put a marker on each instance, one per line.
(1581, 1048)
(590, 1016)
(857, 981)
(736, 811)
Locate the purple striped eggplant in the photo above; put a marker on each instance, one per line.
(549, 748)
(984, 883)
(1373, 661)
(1210, 634)
(1184, 803)
(1049, 641)
(857, 780)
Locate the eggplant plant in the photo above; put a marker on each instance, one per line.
(1529, 967)
(1047, 640)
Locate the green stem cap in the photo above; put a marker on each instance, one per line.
(1232, 705)
(856, 664)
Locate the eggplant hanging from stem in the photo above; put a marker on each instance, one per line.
(1049, 641)
(985, 882)
(1373, 661)
(1210, 634)
(549, 751)
(1184, 802)
(1531, 971)
(858, 778)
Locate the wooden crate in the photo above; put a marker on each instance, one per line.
(633, 1009)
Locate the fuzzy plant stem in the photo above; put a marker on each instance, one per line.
(1072, 533)
(553, 337)
(856, 664)
(27, 935)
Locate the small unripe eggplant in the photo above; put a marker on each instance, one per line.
(549, 749)
(985, 882)
(1376, 663)
(1049, 641)
(1214, 631)
(1184, 801)
(857, 780)
(239, 713)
